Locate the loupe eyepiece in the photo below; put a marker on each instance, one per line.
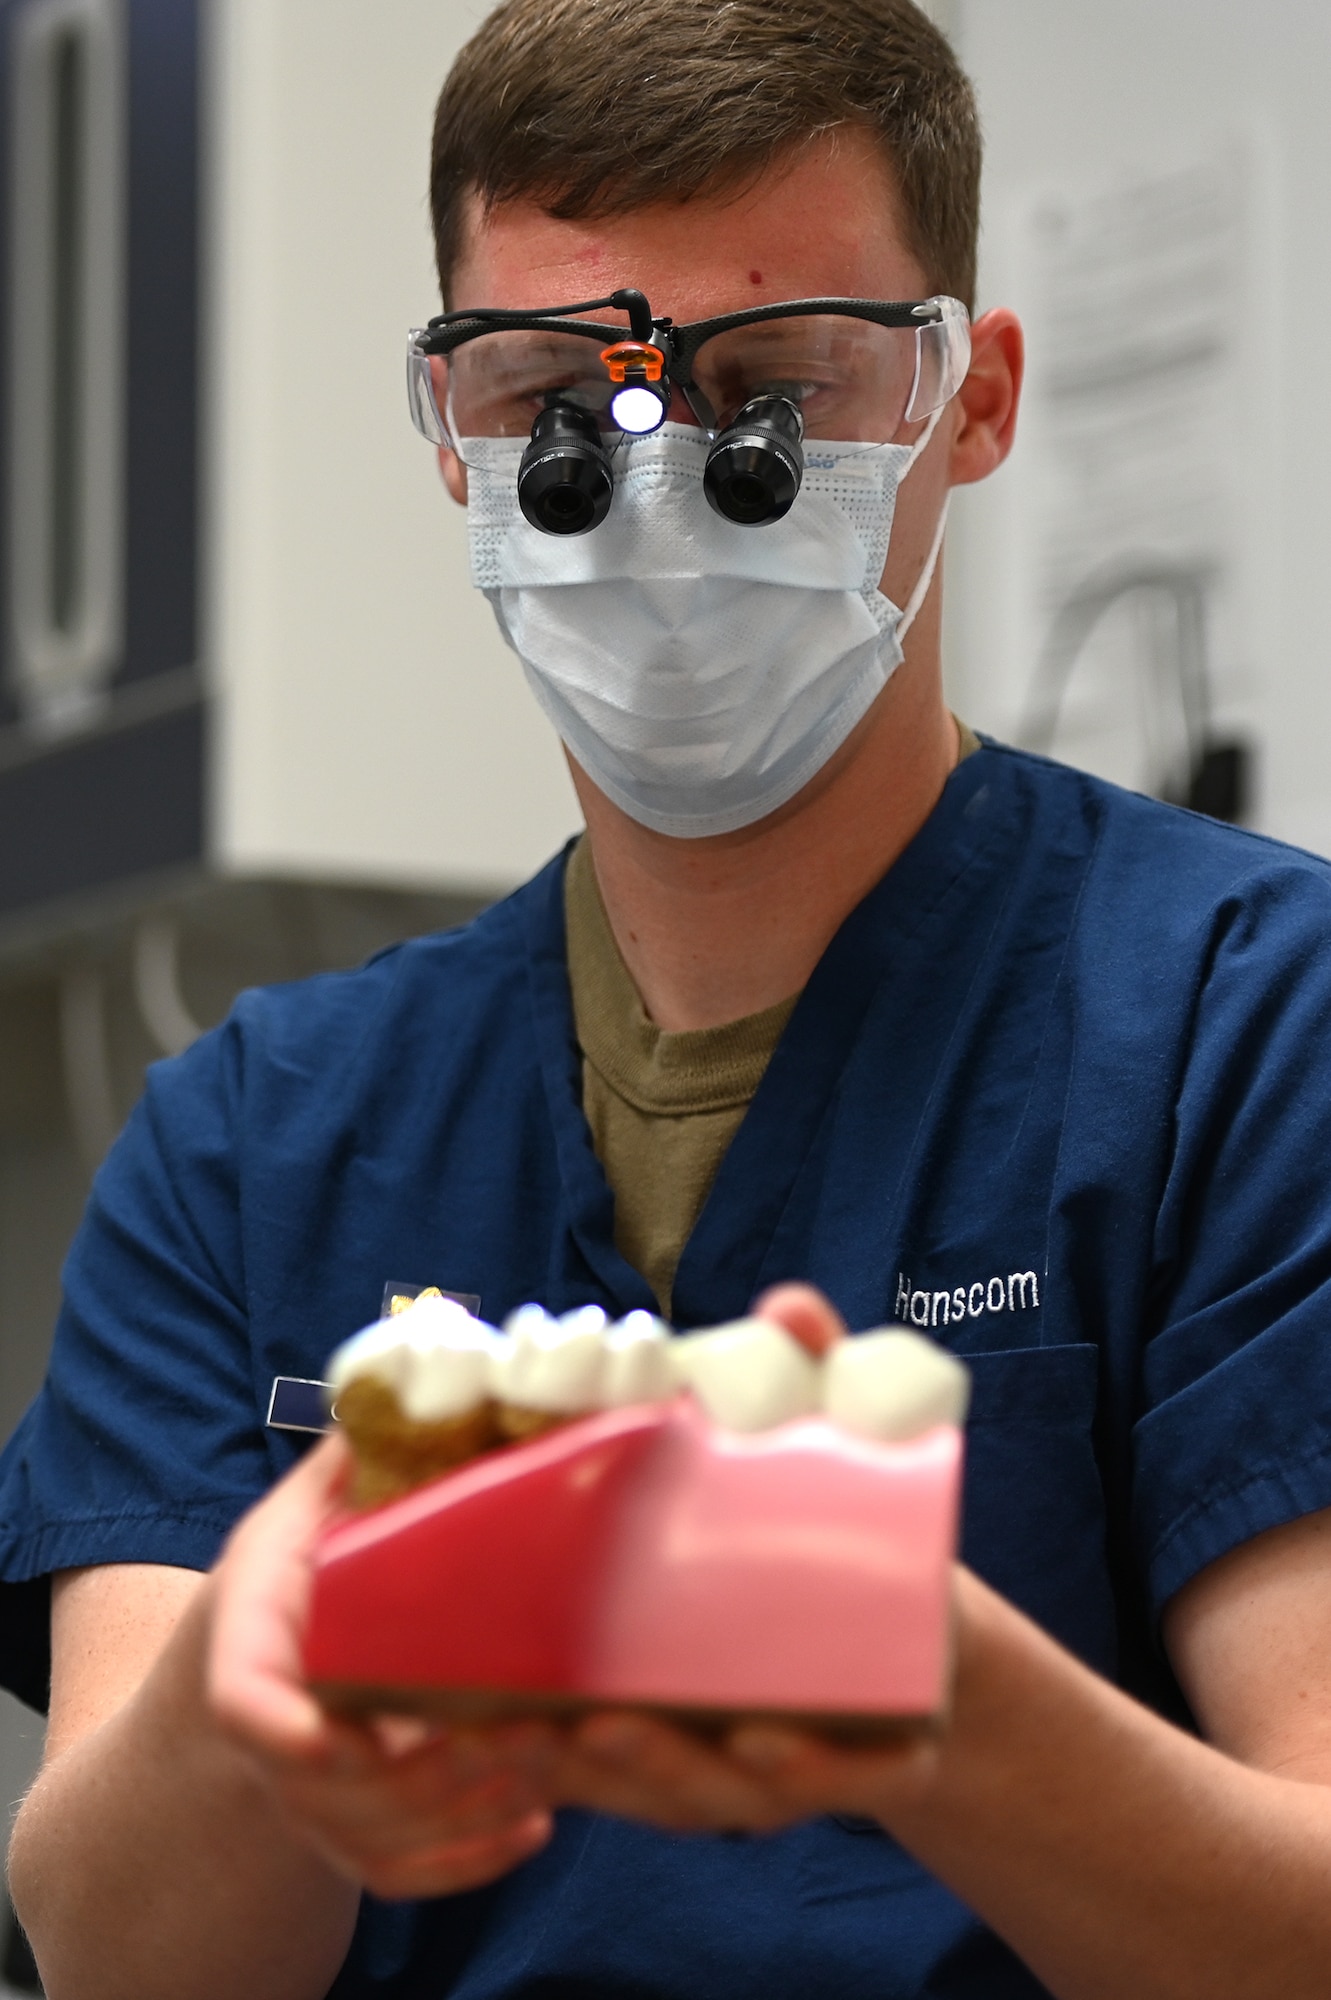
(756, 467)
(565, 484)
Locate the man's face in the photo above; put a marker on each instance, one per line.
(821, 222)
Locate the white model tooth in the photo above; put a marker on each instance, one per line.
(637, 1366)
(541, 1363)
(893, 1384)
(434, 1357)
(449, 1376)
(749, 1375)
(584, 1319)
(377, 1350)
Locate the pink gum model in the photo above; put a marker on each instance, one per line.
(646, 1557)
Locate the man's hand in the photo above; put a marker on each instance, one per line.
(408, 1810)
(759, 1779)
(401, 1808)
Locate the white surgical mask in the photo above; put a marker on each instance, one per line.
(699, 671)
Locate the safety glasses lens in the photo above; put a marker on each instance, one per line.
(427, 409)
(496, 386)
(944, 358)
(852, 380)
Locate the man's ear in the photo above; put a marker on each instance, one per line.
(455, 474)
(988, 398)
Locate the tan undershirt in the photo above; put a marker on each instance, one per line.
(663, 1108)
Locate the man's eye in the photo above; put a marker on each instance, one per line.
(522, 396)
(538, 395)
(805, 391)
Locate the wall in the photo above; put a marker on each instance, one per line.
(1079, 96)
(373, 725)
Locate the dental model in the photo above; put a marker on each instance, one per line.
(709, 1526)
(433, 1388)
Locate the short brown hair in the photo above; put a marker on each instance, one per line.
(598, 107)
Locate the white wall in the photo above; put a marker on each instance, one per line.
(374, 725)
(1079, 94)
(945, 13)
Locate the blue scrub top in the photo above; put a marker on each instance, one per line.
(1059, 1090)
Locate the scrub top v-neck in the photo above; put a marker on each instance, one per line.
(663, 1106)
(735, 1246)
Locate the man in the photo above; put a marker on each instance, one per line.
(1052, 1086)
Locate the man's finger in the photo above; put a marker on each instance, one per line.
(640, 1768)
(261, 1589)
(804, 1313)
(453, 1866)
(375, 1818)
(815, 1776)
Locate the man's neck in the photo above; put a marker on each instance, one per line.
(714, 929)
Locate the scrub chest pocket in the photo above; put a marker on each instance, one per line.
(1034, 1524)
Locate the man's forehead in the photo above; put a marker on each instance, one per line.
(823, 220)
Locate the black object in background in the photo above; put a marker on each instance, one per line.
(1220, 782)
(1216, 774)
(121, 799)
(18, 1968)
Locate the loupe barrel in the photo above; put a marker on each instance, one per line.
(756, 467)
(565, 484)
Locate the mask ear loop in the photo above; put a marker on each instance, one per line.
(926, 575)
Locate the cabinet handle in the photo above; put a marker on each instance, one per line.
(67, 357)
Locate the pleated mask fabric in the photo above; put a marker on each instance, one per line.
(701, 672)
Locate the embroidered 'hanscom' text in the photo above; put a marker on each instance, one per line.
(1018, 1292)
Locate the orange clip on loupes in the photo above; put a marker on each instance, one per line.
(633, 360)
(640, 399)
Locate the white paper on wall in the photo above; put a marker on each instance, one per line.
(1146, 393)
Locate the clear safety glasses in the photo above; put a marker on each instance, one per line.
(856, 370)
(762, 385)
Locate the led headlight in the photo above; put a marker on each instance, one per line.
(638, 408)
(641, 399)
